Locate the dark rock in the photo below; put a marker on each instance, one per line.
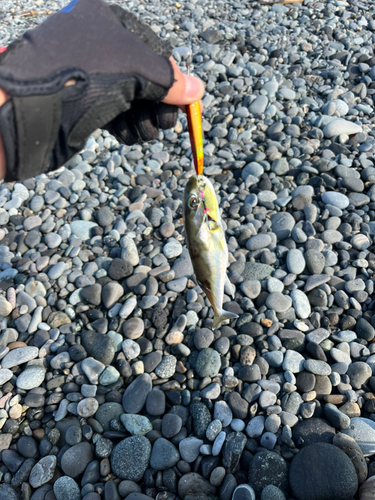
(136, 393)
(139, 496)
(23, 472)
(120, 269)
(211, 36)
(171, 425)
(151, 361)
(98, 346)
(201, 418)
(43, 493)
(164, 455)
(312, 430)
(110, 491)
(7, 492)
(322, 471)
(238, 405)
(76, 459)
(130, 458)
(77, 353)
(354, 452)
(92, 473)
(227, 487)
(323, 385)
(305, 381)
(194, 484)
(107, 412)
(104, 216)
(364, 330)
(27, 447)
(92, 294)
(12, 460)
(155, 402)
(159, 318)
(267, 467)
(232, 451)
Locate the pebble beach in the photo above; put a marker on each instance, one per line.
(113, 384)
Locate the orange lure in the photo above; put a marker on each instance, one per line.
(196, 135)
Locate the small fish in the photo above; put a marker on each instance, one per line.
(206, 243)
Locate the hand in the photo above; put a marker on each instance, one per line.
(88, 66)
(185, 90)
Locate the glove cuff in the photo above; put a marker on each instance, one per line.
(29, 129)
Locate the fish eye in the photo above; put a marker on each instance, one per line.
(193, 202)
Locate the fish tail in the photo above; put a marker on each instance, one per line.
(222, 317)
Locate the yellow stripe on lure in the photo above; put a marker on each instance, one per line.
(205, 240)
(196, 135)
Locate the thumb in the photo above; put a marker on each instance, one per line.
(185, 90)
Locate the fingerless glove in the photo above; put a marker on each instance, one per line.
(89, 66)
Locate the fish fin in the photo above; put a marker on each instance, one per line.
(222, 317)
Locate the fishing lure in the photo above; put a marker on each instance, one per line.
(196, 135)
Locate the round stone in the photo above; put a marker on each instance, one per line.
(137, 425)
(65, 487)
(336, 473)
(301, 304)
(130, 458)
(164, 455)
(282, 225)
(278, 302)
(312, 430)
(172, 249)
(208, 363)
(336, 199)
(87, 407)
(295, 261)
(43, 471)
(133, 328)
(31, 377)
(167, 367)
(251, 288)
(268, 467)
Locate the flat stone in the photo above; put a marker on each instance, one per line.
(75, 460)
(189, 448)
(43, 471)
(340, 126)
(278, 302)
(32, 377)
(19, 356)
(362, 430)
(137, 425)
(301, 304)
(338, 200)
(295, 261)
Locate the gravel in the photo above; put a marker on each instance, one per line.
(112, 382)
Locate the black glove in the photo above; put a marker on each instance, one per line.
(88, 66)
